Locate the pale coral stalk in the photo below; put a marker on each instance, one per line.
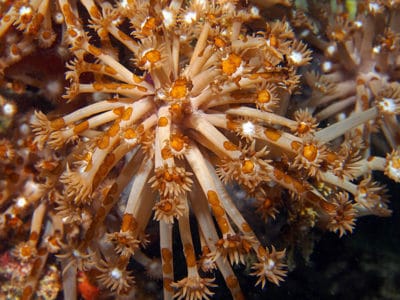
(201, 43)
(166, 258)
(37, 222)
(200, 169)
(163, 132)
(274, 137)
(344, 184)
(142, 176)
(336, 130)
(269, 118)
(335, 108)
(342, 89)
(206, 224)
(216, 138)
(231, 209)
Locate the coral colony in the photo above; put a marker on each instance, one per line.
(162, 105)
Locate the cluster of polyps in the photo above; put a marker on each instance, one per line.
(360, 63)
(359, 49)
(184, 98)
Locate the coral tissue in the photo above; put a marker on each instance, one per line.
(163, 105)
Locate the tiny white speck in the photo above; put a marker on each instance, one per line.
(9, 109)
(388, 105)
(54, 87)
(341, 116)
(239, 71)
(202, 3)
(21, 202)
(59, 18)
(296, 57)
(331, 49)
(25, 10)
(248, 128)
(304, 33)
(116, 273)
(393, 172)
(116, 22)
(124, 3)
(255, 11)
(190, 17)
(327, 66)
(24, 129)
(270, 264)
(374, 7)
(168, 18)
(376, 49)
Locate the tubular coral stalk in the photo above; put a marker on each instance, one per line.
(166, 258)
(69, 281)
(175, 55)
(200, 64)
(91, 8)
(349, 62)
(199, 167)
(123, 38)
(389, 136)
(142, 213)
(33, 278)
(391, 129)
(38, 266)
(232, 210)
(175, 4)
(58, 138)
(207, 95)
(281, 139)
(342, 89)
(197, 122)
(201, 43)
(368, 36)
(336, 130)
(112, 195)
(6, 22)
(202, 80)
(187, 243)
(111, 62)
(235, 30)
(373, 163)
(269, 118)
(92, 109)
(37, 222)
(226, 100)
(163, 132)
(336, 181)
(202, 213)
(120, 151)
(142, 176)
(192, 286)
(136, 91)
(202, 98)
(335, 108)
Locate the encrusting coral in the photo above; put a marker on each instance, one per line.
(166, 103)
